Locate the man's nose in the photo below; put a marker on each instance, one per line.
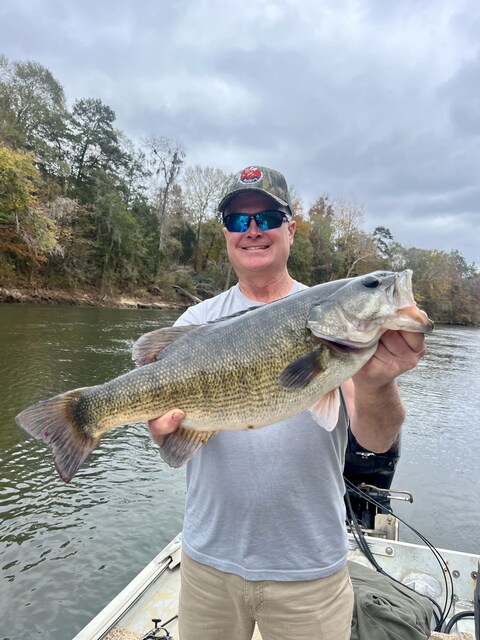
(253, 228)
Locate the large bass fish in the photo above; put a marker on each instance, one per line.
(242, 372)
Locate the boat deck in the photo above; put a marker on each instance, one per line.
(123, 634)
(443, 636)
(154, 591)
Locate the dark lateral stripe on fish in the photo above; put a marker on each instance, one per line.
(52, 421)
(178, 447)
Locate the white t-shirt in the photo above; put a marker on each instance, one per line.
(266, 504)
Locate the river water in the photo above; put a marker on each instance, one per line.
(66, 550)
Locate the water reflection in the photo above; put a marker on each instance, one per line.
(441, 441)
(66, 550)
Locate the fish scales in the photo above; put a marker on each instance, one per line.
(237, 375)
(242, 372)
(206, 387)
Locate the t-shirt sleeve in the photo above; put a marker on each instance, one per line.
(190, 316)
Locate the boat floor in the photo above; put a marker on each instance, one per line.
(123, 634)
(129, 615)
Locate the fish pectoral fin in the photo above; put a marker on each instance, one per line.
(325, 411)
(178, 447)
(299, 373)
(149, 347)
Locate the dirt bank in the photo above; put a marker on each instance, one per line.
(88, 298)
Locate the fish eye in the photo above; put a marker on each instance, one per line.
(371, 282)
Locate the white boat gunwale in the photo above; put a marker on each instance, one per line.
(112, 613)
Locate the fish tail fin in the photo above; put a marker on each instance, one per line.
(54, 421)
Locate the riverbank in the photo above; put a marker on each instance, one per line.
(142, 299)
(152, 298)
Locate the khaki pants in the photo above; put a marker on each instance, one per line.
(223, 606)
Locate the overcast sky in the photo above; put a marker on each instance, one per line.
(376, 102)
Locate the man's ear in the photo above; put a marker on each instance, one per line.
(291, 230)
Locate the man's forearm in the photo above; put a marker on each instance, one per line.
(376, 416)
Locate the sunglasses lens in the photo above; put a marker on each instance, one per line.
(237, 222)
(266, 220)
(269, 220)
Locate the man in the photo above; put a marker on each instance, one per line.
(264, 536)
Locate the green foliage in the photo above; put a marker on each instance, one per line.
(325, 261)
(384, 240)
(19, 179)
(7, 269)
(81, 205)
(27, 233)
(445, 286)
(300, 263)
(212, 256)
(33, 112)
(94, 145)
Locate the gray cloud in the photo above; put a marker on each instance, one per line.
(373, 102)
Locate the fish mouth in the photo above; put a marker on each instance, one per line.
(409, 318)
(344, 346)
(345, 325)
(412, 318)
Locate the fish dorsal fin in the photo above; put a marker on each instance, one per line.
(178, 447)
(149, 346)
(299, 373)
(325, 411)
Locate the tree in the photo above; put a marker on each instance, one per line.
(119, 242)
(181, 237)
(133, 172)
(296, 203)
(166, 159)
(19, 180)
(33, 112)
(357, 251)
(202, 187)
(384, 241)
(215, 272)
(94, 144)
(322, 239)
(80, 204)
(27, 233)
(300, 261)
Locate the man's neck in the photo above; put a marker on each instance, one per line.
(266, 291)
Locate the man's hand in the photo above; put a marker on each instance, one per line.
(397, 352)
(373, 401)
(165, 424)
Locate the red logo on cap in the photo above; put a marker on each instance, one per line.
(250, 175)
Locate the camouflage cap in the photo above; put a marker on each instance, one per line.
(268, 181)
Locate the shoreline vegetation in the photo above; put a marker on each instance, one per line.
(142, 299)
(88, 216)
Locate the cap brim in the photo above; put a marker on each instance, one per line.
(224, 201)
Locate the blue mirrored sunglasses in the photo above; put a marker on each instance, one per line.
(265, 220)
